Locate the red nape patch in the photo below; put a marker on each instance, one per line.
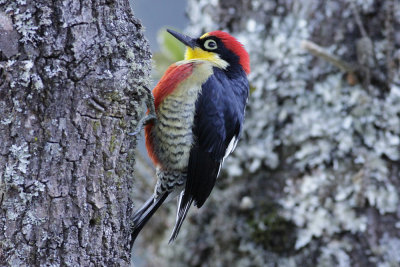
(174, 75)
(235, 46)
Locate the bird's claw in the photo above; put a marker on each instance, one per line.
(143, 122)
(151, 112)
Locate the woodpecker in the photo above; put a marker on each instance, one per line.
(199, 106)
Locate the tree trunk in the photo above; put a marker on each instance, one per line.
(315, 179)
(71, 83)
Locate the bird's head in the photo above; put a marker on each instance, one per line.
(218, 47)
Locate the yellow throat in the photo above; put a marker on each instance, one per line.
(200, 54)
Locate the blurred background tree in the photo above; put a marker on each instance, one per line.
(315, 179)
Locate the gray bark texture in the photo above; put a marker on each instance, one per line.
(315, 179)
(72, 74)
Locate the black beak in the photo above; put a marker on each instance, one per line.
(188, 41)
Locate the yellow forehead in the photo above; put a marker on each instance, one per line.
(204, 35)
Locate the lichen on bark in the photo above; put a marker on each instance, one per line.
(71, 87)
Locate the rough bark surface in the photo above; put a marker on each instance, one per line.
(71, 82)
(315, 179)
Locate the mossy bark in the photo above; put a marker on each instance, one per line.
(71, 83)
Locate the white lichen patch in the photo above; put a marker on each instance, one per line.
(14, 177)
(37, 82)
(336, 253)
(25, 76)
(7, 121)
(319, 207)
(23, 21)
(45, 17)
(9, 173)
(52, 72)
(21, 156)
(389, 249)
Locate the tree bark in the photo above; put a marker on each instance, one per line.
(71, 87)
(315, 179)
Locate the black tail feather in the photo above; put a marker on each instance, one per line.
(185, 202)
(141, 210)
(143, 215)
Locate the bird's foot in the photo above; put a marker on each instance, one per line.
(143, 122)
(150, 116)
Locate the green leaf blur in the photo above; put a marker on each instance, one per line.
(171, 50)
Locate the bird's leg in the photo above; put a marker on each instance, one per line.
(150, 116)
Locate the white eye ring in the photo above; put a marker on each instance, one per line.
(210, 44)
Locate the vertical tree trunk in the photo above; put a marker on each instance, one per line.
(315, 179)
(71, 79)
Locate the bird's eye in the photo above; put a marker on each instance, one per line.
(210, 44)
